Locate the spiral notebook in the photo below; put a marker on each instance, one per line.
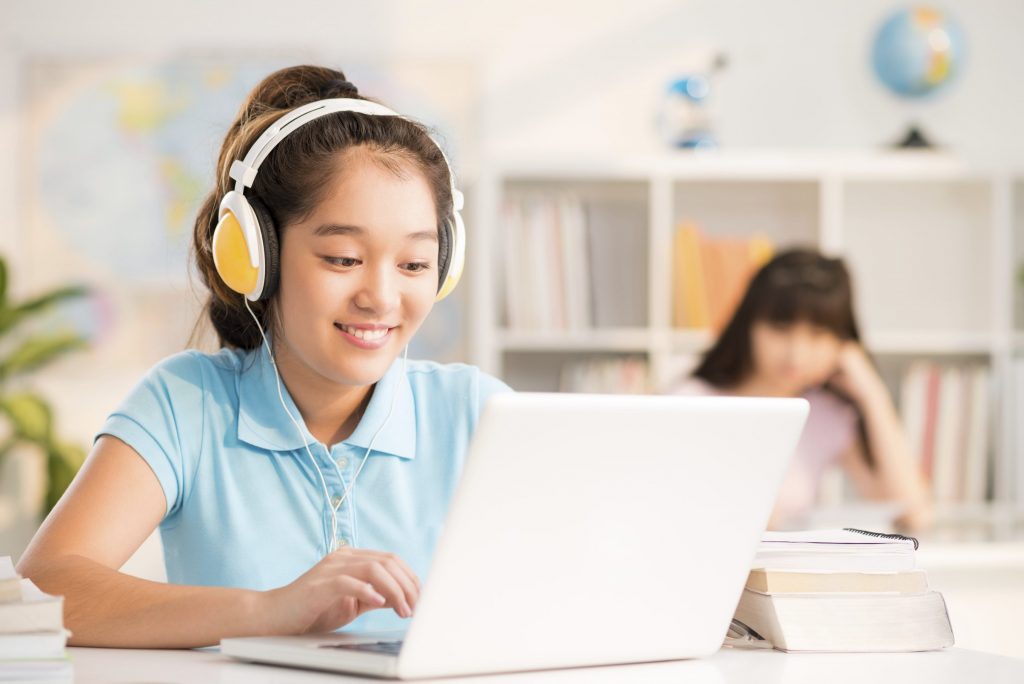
(845, 550)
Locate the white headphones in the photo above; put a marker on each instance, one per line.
(245, 241)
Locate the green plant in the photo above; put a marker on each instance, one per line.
(29, 415)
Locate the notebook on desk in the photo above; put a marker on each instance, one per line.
(586, 530)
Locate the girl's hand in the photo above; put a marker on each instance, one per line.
(856, 376)
(340, 588)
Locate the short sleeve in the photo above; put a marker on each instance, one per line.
(162, 420)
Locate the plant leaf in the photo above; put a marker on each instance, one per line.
(12, 315)
(38, 351)
(31, 416)
(3, 282)
(62, 462)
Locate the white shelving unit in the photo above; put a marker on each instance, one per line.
(934, 244)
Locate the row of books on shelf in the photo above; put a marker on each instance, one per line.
(606, 375)
(710, 275)
(32, 634)
(946, 411)
(573, 265)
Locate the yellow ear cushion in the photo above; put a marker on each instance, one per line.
(231, 256)
(449, 284)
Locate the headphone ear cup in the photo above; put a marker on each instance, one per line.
(444, 252)
(267, 229)
(456, 256)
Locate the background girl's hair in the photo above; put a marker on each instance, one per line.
(796, 285)
(292, 180)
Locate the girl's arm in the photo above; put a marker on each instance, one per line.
(114, 504)
(894, 474)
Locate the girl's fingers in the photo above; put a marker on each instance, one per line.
(401, 572)
(385, 583)
(360, 589)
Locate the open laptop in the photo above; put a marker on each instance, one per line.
(586, 530)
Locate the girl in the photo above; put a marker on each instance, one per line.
(794, 334)
(299, 476)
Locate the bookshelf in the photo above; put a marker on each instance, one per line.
(934, 244)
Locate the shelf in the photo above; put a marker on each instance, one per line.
(609, 340)
(690, 341)
(753, 165)
(940, 342)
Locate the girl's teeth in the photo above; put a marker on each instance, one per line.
(365, 334)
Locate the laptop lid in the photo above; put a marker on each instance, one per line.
(600, 529)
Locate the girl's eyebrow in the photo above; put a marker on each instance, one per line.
(329, 229)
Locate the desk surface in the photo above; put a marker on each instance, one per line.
(728, 666)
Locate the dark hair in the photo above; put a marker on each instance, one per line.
(295, 176)
(797, 285)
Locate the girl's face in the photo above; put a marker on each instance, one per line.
(359, 275)
(794, 356)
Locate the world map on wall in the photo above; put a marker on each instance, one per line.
(151, 134)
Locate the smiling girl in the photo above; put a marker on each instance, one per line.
(299, 476)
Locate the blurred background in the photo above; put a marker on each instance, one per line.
(670, 146)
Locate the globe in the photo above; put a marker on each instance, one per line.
(917, 51)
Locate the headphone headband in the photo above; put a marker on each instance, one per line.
(244, 172)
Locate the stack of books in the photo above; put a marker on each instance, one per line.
(840, 591)
(32, 634)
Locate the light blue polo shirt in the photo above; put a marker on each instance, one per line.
(245, 507)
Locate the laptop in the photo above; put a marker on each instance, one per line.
(585, 530)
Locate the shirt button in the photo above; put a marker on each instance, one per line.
(336, 501)
(340, 543)
(342, 463)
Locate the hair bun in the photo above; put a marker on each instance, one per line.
(338, 87)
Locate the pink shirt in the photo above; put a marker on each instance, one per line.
(830, 431)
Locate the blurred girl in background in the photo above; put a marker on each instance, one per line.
(794, 334)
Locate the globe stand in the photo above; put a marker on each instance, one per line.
(914, 138)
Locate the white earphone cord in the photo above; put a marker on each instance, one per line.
(333, 541)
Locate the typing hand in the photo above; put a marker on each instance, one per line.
(340, 588)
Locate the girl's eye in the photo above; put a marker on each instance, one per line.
(417, 266)
(347, 262)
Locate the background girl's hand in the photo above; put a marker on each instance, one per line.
(340, 588)
(856, 376)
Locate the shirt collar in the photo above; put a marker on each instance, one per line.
(264, 424)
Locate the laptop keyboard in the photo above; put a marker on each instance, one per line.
(385, 647)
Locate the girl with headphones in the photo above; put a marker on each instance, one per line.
(299, 476)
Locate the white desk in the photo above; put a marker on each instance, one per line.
(728, 666)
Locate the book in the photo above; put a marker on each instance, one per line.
(34, 611)
(835, 551)
(711, 274)
(794, 582)
(617, 242)
(946, 412)
(848, 622)
(57, 671)
(10, 583)
(33, 646)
